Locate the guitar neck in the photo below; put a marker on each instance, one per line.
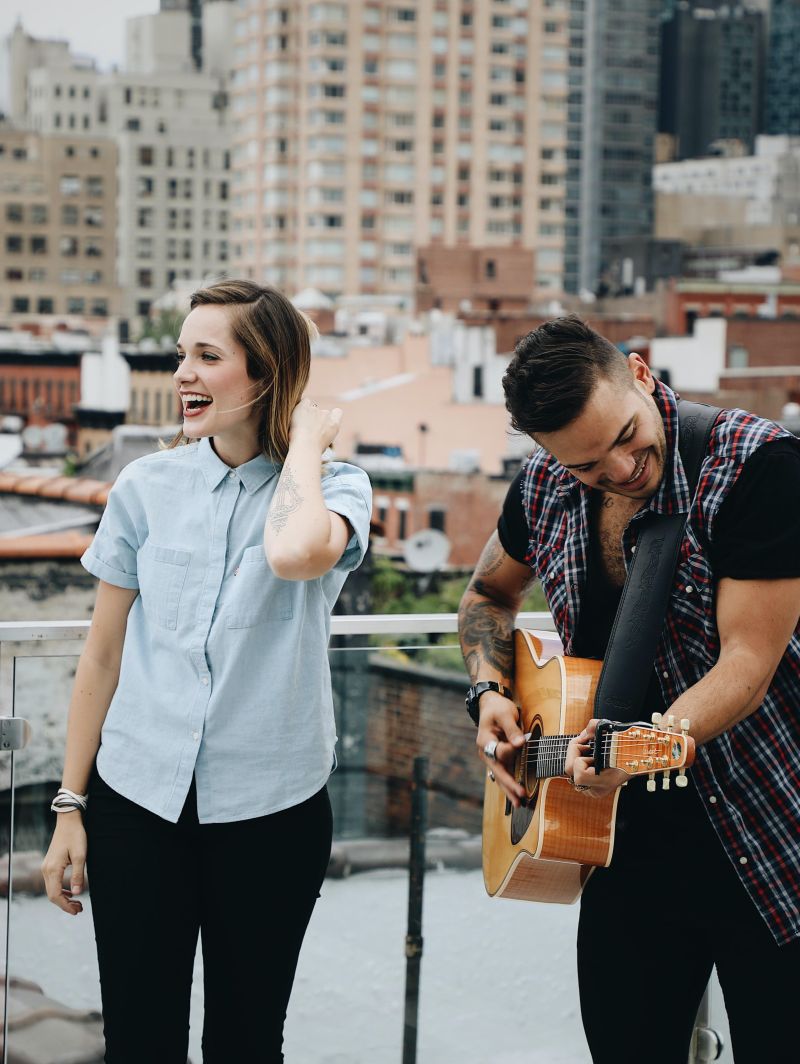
(547, 755)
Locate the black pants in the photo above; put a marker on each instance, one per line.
(248, 887)
(651, 929)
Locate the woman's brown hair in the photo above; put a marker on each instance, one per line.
(276, 339)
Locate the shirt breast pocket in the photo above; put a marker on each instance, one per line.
(693, 602)
(255, 595)
(162, 574)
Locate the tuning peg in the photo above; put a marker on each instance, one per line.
(656, 718)
(670, 723)
(685, 723)
(681, 780)
(651, 781)
(665, 781)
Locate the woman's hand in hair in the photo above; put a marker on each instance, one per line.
(310, 421)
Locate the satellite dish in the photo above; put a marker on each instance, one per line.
(426, 551)
(55, 437)
(32, 437)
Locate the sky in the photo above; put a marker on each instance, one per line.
(92, 27)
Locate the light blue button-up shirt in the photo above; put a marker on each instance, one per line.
(224, 671)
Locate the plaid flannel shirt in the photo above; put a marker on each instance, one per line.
(749, 777)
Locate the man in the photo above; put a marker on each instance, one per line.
(709, 874)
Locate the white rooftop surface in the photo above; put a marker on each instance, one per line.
(498, 977)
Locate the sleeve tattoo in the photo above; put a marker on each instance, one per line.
(285, 501)
(486, 636)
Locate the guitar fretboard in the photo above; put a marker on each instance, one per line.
(547, 755)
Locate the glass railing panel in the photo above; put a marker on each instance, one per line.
(482, 958)
(397, 696)
(53, 984)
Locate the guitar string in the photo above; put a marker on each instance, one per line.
(553, 756)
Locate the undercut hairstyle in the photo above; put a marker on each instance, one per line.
(276, 338)
(554, 371)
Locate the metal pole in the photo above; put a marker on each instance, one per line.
(416, 879)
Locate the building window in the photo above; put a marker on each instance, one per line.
(39, 245)
(70, 185)
(75, 304)
(68, 246)
(13, 244)
(738, 357)
(144, 278)
(20, 305)
(477, 382)
(491, 269)
(146, 155)
(14, 212)
(69, 214)
(38, 214)
(436, 518)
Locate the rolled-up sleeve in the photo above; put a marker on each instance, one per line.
(113, 553)
(347, 491)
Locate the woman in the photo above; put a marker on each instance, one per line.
(201, 730)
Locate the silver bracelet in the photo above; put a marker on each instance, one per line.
(66, 801)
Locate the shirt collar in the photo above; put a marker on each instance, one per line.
(253, 474)
(672, 495)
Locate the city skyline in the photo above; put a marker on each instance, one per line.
(102, 39)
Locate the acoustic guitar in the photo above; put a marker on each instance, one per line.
(546, 849)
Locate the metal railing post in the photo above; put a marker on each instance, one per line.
(416, 879)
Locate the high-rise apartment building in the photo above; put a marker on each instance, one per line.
(612, 123)
(782, 109)
(169, 125)
(57, 224)
(712, 66)
(364, 129)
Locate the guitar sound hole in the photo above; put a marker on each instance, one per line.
(526, 774)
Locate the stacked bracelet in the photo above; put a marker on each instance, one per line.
(66, 801)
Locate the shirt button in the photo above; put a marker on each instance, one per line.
(689, 589)
(665, 674)
(633, 549)
(742, 860)
(204, 681)
(195, 735)
(713, 800)
(232, 475)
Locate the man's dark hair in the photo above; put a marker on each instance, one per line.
(554, 371)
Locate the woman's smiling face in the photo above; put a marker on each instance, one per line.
(217, 396)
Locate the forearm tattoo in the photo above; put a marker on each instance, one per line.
(285, 501)
(486, 631)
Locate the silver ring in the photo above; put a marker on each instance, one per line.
(490, 774)
(490, 750)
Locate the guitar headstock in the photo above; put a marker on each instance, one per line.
(645, 749)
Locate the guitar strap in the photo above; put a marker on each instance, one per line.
(631, 651)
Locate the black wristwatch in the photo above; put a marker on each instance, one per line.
(474, 695)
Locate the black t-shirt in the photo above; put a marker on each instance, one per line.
(756, 536)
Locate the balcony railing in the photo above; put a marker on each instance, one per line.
(399, 692)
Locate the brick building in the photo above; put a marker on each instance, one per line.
(689, 300)
(491, 278)
(464, 506)
(41, 386)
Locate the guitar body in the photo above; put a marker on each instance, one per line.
(546, 850)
